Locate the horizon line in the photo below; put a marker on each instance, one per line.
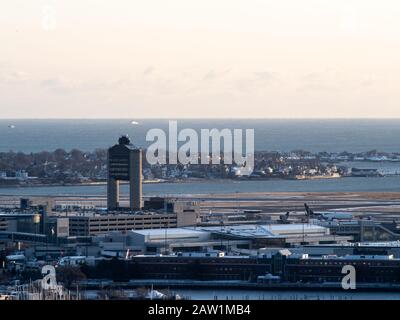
(204, 118)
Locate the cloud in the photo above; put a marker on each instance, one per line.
(312, 76)
(52, 82)
(254, 81)
(65, 85)
(266, 75)
(13, 77)
(214, 75)
(60, 84)
(367, 82)
(326, 80)
(148, 71)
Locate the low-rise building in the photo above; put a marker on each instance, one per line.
(90, 224)
(278, 235)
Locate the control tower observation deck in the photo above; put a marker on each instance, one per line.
(124, 164)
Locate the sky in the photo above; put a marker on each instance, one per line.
(200, 58)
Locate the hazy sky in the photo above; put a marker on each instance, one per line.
(199, 58)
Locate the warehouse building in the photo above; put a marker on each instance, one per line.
(278, 235)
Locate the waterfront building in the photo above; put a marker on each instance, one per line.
(286, 267)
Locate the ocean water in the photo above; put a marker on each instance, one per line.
(221, 295)
(280, 135)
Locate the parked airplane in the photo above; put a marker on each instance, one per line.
(327, 215)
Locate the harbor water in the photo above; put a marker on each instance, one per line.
(348, 184)
(284, 295)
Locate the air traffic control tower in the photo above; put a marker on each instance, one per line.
(124, 164)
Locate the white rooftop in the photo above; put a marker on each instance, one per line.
(170, 232)
(358, 257)
(269, 230)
